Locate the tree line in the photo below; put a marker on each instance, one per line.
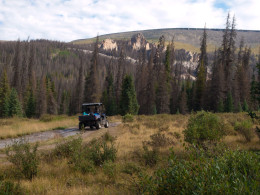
(47, 77)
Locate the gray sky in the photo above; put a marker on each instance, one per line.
(67, 20)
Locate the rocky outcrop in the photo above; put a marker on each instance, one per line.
(109, 44)
(138, 41)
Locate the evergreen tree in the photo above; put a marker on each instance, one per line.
(15, 108)
(30, 106)
(128, 101)
(4, 92)
(245, 106)
(167, 63)
(200, 86)
(108, 96)
(253, 92)
(220, 107)
(229, 103)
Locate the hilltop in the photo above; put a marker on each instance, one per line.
(185, 38)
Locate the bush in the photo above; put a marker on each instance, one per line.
(151, 157)
(9, 187)
(128, 118)
(203, 126)
(80, 161)
(159, 140)
(102, 151)
(68, 148)
(24, 158)
(245, 128)
(109, 168)
(234, 172)
(131, 168)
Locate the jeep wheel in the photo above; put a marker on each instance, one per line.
(81, 126)
(98, 126)
(106, 124)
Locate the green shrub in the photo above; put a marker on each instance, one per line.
(102, 151)
(80, 161)
(67, 148)
(150, 157)
(245, 128)
(234, 172)
(131, 168)
(203, 126)
(9, 187)
(128, 118)
(24, 158)
(110, 170)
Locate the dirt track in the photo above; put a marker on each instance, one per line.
(47, 135)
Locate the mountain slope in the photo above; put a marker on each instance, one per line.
(185, 38)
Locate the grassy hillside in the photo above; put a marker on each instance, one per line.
(137, 150)
(188, 38)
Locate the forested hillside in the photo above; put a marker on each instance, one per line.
(48, 77)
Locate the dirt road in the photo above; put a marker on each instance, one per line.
(47, 135)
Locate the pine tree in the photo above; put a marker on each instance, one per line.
(229, 103)
(203, 59)
(108, 96)
(220, 107)
(128, 101)
(253, 92)
(15, 108)
(200, 86)
(245, 106)
(4, 92)
(30, 106)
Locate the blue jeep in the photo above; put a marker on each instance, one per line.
(93, 116)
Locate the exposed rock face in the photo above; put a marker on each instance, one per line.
(138, 41)
(109, 44)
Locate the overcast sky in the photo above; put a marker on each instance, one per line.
(67, 20)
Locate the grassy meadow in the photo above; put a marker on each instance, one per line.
(136, 149)
(15, 127)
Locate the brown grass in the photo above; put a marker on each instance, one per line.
(14, 127)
